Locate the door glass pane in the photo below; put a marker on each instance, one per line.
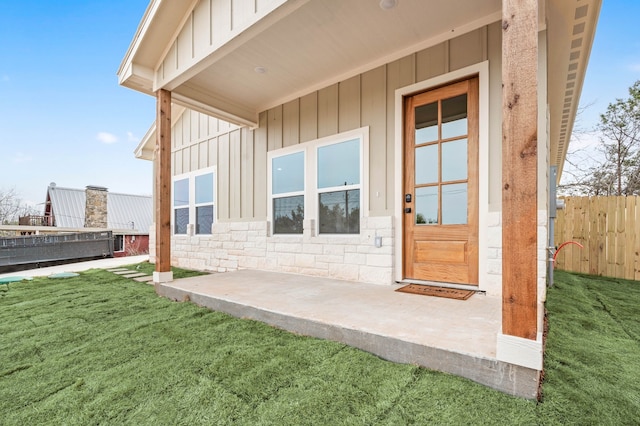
(454, 160)
(426, 123)
(287, 173)
(454, 117)
(181, 192)
(427, 164)
(204, 188)
(454, 204)
(204, 219)
(288, 214)
(339, 212)
(339, 164)
(427, 205)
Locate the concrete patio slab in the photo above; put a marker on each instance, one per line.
(454, 336)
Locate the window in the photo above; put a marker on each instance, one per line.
(339, 188)
(193, 202)
(118, 243)
(320, 180)
(287, 189)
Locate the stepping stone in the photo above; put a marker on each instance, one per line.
(134, 275)
(117, 269)
(147, 279)
(124, 272)
(64, 275)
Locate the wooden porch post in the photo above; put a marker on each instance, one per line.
(162, 166)
(519, 167)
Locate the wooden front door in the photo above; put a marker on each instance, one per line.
(440, 196)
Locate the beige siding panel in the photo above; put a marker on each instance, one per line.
(195, 127)
(495, 116)
(186, 126)
(243, 12)
(431, 62)
(221, 21)
(213, 126)
(400, 73)
(213, 151)
(291, 123)
(186, 160)
(374, 113)
(235, 174)
(466, 50)
(177, 163)
(246, 153)
(274, 128)
(193, 153)
(328, 111)
(185, 44)
(309, 117)
(170, 63)
(349, 104)
(201, 27)
(223, 177)
(203, 155)
(204, 126)
(176, 130)
(260, 168)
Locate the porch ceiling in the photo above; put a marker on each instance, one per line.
(305, 45)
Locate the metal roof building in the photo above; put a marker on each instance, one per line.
(124, 211)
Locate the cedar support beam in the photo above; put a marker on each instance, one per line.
(519, 167)
(162, 173)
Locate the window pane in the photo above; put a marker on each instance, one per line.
(339, 212)
(454, 160)
(204, 219)
(454, 117)
(339, 164)
(204, 188)
(181, 192)
(288, 213)
(454, 204)
(181, 220)
(427, 205)
(426, 123)
(287, 173)
(427, 164)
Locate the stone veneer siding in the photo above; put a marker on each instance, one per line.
(248, 245)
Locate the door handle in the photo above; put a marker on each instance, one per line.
(407, 210)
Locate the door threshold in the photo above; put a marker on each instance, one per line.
(441, 284)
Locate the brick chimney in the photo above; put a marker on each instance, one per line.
(95, 212)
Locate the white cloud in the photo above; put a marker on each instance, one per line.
(107, 138)
(21, 158)
(132, 138)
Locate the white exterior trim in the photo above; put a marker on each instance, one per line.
(482, 70)
(191, 176)
(520, 351)
(162, 277)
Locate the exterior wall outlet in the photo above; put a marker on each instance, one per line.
(378, 241)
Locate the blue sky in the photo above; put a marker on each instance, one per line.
(64, 119)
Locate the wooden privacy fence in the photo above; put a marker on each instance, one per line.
(609, 230)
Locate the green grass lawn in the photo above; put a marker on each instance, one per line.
(103, 349)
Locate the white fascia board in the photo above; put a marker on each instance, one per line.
(520, 351)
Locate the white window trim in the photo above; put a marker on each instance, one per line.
(191, 176)
(311, 190)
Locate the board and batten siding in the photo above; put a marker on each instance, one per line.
(367, 99)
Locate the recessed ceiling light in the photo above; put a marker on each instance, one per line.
(388, 4)
(260, 70)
